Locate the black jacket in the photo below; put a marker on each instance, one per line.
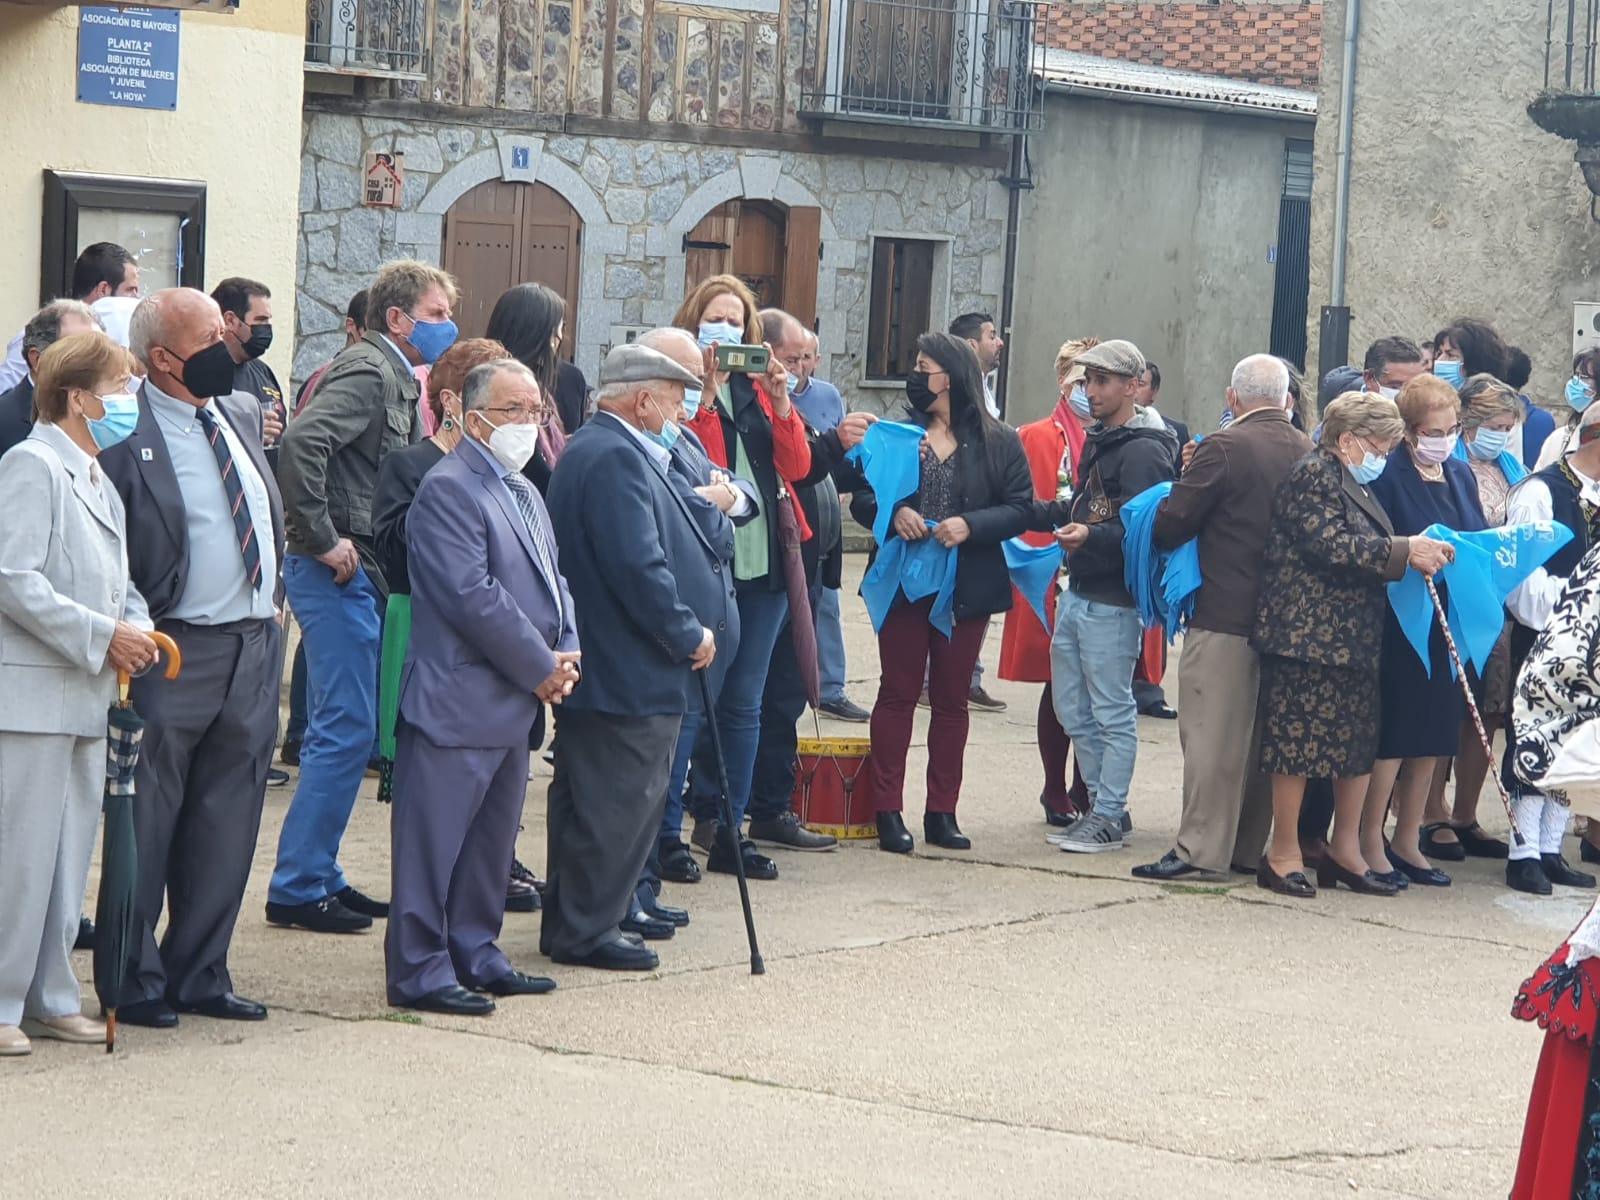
(996, 505)
(1118, 462)
(16, 414)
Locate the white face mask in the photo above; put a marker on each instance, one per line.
(511, 445)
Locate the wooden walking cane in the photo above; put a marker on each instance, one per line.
(1472, 707)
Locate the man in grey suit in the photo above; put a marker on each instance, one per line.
(205, 546)
(493, 638)
(651, 594)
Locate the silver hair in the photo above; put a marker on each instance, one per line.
(145, 329)
(477, 391)
(44, 329)
(656, 339)
(1260, 381)
(611, 392)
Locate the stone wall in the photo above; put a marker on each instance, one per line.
(638, 199)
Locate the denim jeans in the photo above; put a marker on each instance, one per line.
(782, 704)
(761, 616)
(339, 627)
(296, 731)
(830, 644)
(1092, 653)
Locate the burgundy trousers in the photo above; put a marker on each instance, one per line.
(907, 645)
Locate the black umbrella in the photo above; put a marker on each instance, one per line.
(757, 966)
(115, 913)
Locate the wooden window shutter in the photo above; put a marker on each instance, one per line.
(801, 260)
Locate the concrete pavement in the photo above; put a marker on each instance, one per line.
(1010, 1022)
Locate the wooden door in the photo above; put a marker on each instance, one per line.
(774, 250)
(500, 234)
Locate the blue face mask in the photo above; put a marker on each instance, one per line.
(1489, 444)
(794, 382)
(1370, 467)
(1078, 401)
(122, 414)
(719, 331)
(1450, 371)
(667, 438)
(1580, 393)
(691, 403)
(432, 338)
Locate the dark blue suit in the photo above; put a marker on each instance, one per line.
(646, 580)
(485, 628)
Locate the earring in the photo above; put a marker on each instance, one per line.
(447, 423)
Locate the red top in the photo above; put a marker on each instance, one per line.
(1024, 643)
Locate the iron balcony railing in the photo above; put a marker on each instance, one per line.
(933, 62)
(385, 38)
(1572, 34)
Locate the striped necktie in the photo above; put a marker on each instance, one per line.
(243, 524)
(522, 492)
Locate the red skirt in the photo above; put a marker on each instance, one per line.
(1560, 1156)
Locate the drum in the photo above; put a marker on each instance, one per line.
(833, 789)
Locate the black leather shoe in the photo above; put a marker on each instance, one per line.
(678, 864)
(148, 1014)
(1452, 851)
(1423, 876)
(940, 829)
(756, 866)
(1557, 871)
(620, 955)
(1293, 884)
(378, 910)
(1331, 873)
(226, 1007)
(1527, 875)
(1588, 851)
(290, 753)
(1058, 819)
(1161, 712)
(1171, 867)
(652, 906)
(85, 935)
(892, 834)
(320, 916)
(647, 927)
(452, 1001)
(518, 984)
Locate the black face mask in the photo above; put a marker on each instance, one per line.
(209, 372)
(260, 341)
(922, 396)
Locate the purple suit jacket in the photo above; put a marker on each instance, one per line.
(484, 624)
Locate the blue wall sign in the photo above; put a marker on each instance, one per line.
(128, 57)
(519, 158)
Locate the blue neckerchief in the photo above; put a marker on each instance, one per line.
(918, 569)
(1488, 567)
(1510, 465)
(1163, 583)
(890, 457)
(1033, 570)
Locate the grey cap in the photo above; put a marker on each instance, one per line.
(640, 364)
(1116, 357)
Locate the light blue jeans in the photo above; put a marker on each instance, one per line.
(831, 665)
(1092, 653)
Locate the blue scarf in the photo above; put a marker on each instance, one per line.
(1163, 582)
(890, 457)
(1510, 465)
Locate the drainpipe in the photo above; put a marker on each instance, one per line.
(1334, 342)
(1014, 184)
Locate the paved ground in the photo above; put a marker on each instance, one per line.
(1010, 1022)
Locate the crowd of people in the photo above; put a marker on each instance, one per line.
(471, 540)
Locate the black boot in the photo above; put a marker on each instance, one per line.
(892, 835)
(1557, 871)
(940, 829)
(1527, 875)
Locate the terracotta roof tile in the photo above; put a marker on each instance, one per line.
(1264, 43)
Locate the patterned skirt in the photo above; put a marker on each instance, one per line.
(1317, 721)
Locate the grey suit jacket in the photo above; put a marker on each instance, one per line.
(63, 587)
(158, 524)
(484, 624)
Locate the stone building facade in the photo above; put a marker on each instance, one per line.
(638, 200)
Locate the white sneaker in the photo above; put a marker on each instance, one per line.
(13, 1042)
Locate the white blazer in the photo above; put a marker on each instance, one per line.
(63, 586)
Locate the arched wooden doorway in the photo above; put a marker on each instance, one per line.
(500, 234)
(773, 248)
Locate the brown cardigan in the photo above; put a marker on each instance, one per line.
(1224, 498)
(1330, 552)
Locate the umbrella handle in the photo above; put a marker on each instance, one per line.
(174, 663)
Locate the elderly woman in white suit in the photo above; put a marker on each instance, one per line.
(69, 621)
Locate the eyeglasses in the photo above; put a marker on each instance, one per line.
(523, 416)
(1453, 431)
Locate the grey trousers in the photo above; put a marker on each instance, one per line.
(201, 784)
(606, 801)
(452, 835)
(1227, 801)
(50, 793)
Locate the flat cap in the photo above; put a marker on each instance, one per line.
(640, 364)
(1116, 357)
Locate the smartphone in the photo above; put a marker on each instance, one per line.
(743, 360)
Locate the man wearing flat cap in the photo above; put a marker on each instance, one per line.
(650, 593)
(1097, 634)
